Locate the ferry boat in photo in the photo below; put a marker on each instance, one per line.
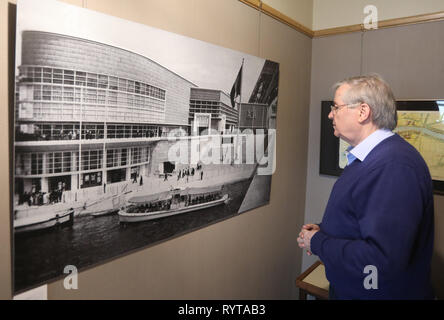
(168, 203)
(44, 221)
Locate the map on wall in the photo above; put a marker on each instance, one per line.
(420, 122)
(425, 131)
(422, 129)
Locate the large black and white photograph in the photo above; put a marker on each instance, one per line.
(126, 136)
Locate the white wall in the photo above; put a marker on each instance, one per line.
(299, 10)
(337, 13)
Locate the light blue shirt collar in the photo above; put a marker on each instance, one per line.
(362, 150)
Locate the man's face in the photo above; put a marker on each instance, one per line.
(345, 120)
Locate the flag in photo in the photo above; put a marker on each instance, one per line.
(236, 90)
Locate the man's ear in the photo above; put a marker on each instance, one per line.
(365, 113)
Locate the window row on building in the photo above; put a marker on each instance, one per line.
(231, 114)
(71, 131)
(57, 93)
(120, 131)
(42, 163)
(86, 79)
(65, 111)
(216, 109)
(212, 107)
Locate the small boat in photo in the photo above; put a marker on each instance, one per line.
(44, 221)
(168, 203)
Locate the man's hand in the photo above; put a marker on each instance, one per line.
(310, 226)
(307, 232)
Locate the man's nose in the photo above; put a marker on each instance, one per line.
(330, 115)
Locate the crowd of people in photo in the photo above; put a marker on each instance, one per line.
(54, 135)
(185, 173)
(86, 135)
(38, 198)
(204, 198)
(32, 198)
(150, 207)
(162, 205)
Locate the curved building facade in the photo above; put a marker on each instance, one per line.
(88, 114)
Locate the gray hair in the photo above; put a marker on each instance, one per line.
(374, 91)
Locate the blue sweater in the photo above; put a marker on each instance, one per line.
(380, 213)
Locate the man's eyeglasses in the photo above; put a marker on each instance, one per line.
(335, 107)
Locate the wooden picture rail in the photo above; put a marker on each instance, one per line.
(382, 24)
(266, 9)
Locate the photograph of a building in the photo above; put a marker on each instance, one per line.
(78, 129)
(216, 105)
(95, 125)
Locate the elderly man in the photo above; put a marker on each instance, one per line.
(376, 236)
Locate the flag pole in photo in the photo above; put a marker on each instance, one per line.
(237, 86)
(236, 91)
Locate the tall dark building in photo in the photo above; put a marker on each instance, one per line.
(266, 90)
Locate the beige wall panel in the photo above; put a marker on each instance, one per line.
(173, 15)
(293, 50)
(226, 23)
(408, 58)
